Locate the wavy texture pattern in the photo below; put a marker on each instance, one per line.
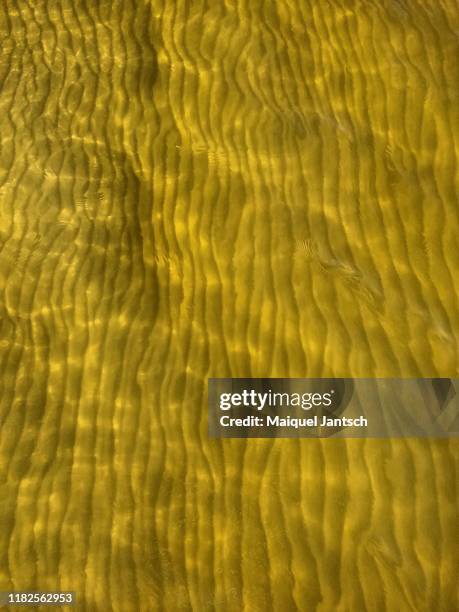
(228, 188)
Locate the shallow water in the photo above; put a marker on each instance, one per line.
(238, 188)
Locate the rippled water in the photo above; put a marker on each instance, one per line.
(235, 188)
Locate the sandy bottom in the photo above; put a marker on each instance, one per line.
(226, 188)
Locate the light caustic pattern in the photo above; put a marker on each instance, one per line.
(229, 188)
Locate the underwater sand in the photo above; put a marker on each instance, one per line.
(230, 188)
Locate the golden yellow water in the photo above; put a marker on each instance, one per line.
(227, 188)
